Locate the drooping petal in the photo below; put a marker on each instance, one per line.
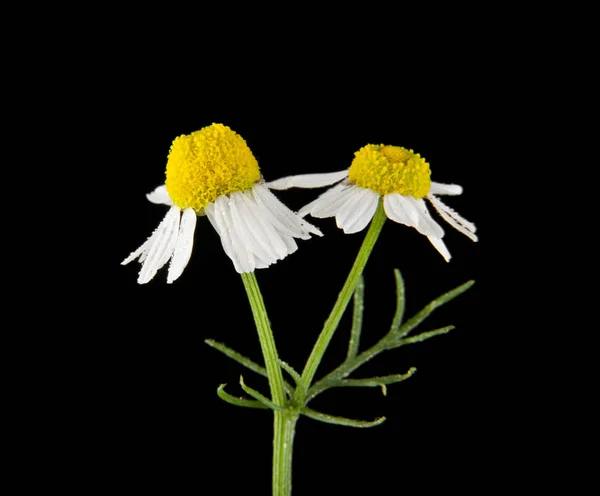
(215, 217)
(426, 224)
(353, 208)
(268, 230)
(255, 228)
(307, 180)
(142, 251)
(162, 246)
(348, 208)
(445, 189)
(440, 246)
(185, 243)
(243, 255)
(160, 196)
(453, 218)
(290, 244)
(364, 213)
(401, 209)
(246, 257)
(245, 224)
(324, 199)
(330, 202)
(297, 227)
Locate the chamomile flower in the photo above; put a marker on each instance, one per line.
(213, 173)
(399, 176)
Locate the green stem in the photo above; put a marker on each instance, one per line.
(344, 297)
(265, 336)
(283, 445)
(284, 421)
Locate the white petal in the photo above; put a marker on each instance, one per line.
(440, 246)
(185, 243)
(324, 199)
(264, 211)
(453, 218)
(365, 213)
(267, 233)
(255, 228)
(247, 260)
(215, 217)
(163, 245)
(245, 223)
(426, 224)
(243, 257)
(308, 180)
(141, 251)
(160, 196)
(307, 226)
(401, 209)
(445, 189)
(290, 244)
(347, 212)
(261, 264)
(294, 225)
(330, 202)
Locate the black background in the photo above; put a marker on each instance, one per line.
(127, 385)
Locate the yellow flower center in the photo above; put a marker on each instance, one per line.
(390, 169)
(209, 163)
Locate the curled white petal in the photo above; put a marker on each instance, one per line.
(445, 189)
(453, 218)
(162, 246)
(440, 246)
(160, 196)
(184, 245)
(307, 180)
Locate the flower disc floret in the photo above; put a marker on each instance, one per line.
(388, 169)
(207, 164)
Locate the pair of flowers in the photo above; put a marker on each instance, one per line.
(213, 173)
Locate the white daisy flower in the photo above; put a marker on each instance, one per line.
(399, 176)
(212, 172)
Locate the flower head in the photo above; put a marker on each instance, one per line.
(399, 176)
(390, 169)
(212, 172)
(207, 164)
